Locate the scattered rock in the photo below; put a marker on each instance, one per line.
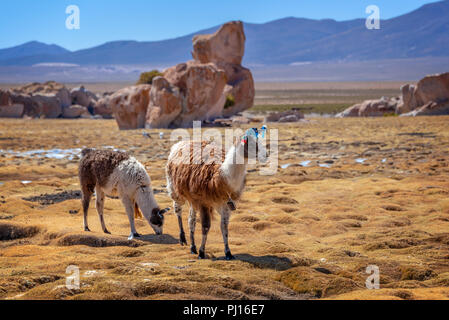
(372, 108)
(74, 111)
(287, 116)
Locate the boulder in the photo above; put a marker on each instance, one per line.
(240, 88)
(286, 116)
(130, 105)
(226, 45)
(5, 98)
(201, 89)
(103, 108)
(73, 111)
(428, 97)
(83, 97)
(430, 109)
(372, 108)
(408, 99)
(31, 107)
(225, 48)
(11, 111)
(165, 104)
(49, 105)
(433, 88)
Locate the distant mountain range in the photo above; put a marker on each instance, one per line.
(423, 33)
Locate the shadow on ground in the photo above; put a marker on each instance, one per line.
(158, 239)
(264, 262)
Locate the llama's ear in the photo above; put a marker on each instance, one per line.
(163, 211)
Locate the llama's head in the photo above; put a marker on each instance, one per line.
(253, 144)
(150, 209)
(157, 219)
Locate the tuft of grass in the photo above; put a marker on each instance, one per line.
(319, 108)
(147, 77)
(230, 101)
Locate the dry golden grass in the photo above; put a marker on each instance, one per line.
(304, 233)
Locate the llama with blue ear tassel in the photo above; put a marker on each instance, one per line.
(209, 185)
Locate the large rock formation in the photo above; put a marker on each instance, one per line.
(195, 90)
(205, 85)
(130, 105)
(429, 97)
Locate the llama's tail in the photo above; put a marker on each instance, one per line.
(137, 212)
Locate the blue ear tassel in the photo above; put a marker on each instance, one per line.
(253, 131)
(263, 130)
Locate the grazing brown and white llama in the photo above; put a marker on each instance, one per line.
(209, 185)
(115, 173)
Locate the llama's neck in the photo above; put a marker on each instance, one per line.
(146, 201)
(232, 170)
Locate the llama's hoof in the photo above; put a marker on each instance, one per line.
(133, 235)
(201, 255)
(229, 256)
(106, 231)
(86, 229)
(182, 239)
(193, 249)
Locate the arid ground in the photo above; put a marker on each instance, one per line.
(375, 192)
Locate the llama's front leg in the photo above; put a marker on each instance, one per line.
(129, 207)
(100, 207)
(192, 224)
(86, 195)
(205, 224)
(182, 235)
(225, 214)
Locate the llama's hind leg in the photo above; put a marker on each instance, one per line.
(225, 214)
(86, 196)
(192, 224)
(178, 211)
(129, 207)
(100, 207)
(205, 214)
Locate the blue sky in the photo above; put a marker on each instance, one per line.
(146, 20)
